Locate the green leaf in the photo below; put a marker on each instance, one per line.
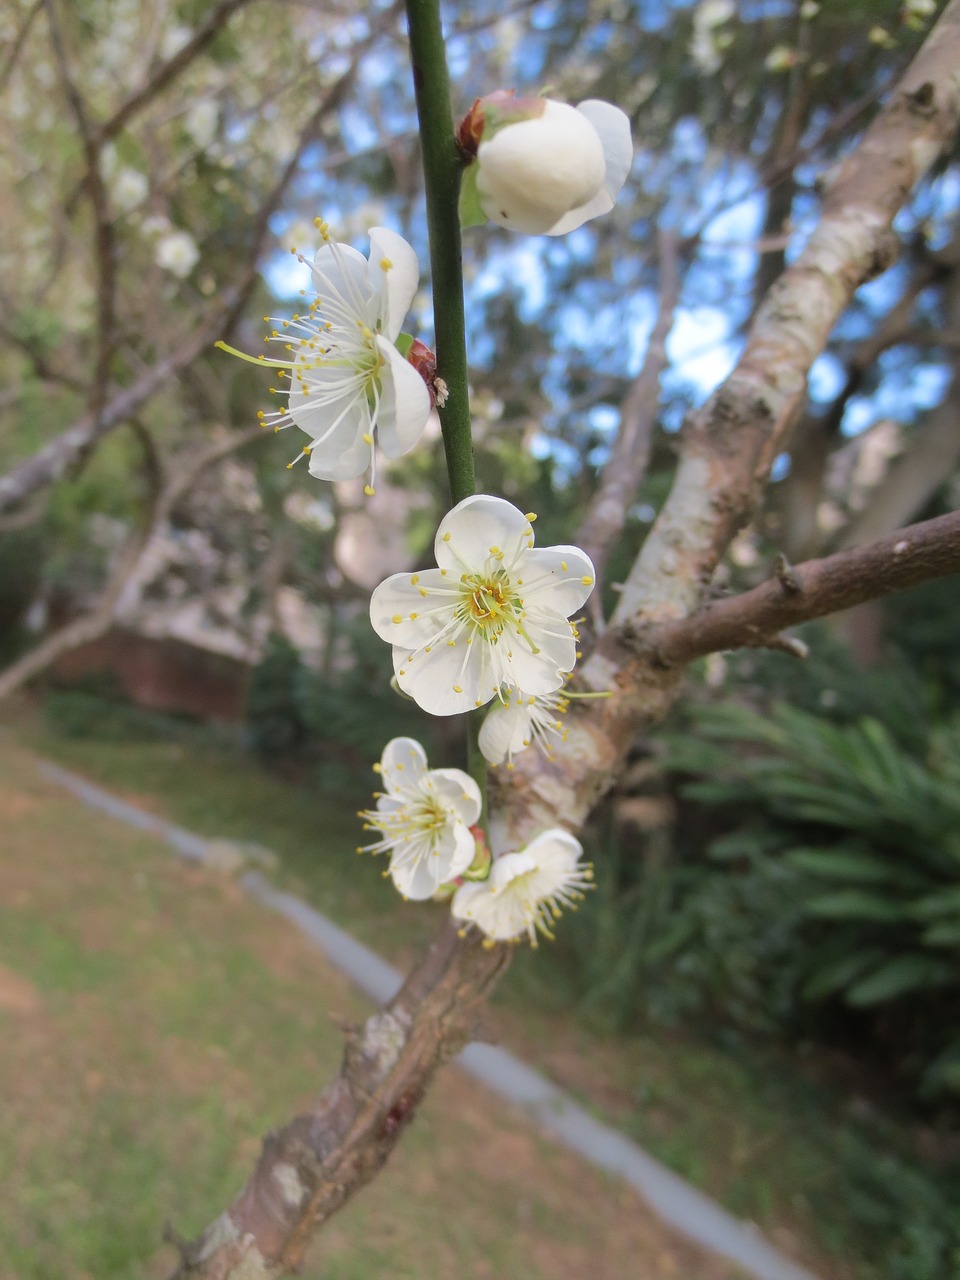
(845, 864)
(856, 904)
(897, 977)
(943, 935)
(471, 211)
(942, 902)
(838, 973)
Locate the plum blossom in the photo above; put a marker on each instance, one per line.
(526, 891)
(540, 166)
(177, 253)
(424, 818)
(493, 613)
(519, 719)
(348, 386)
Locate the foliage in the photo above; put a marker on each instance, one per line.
(275, 724)
(863, 840)
(341, 713)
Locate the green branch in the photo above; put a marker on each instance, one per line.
(441, 173)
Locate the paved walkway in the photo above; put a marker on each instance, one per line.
(549, 1108)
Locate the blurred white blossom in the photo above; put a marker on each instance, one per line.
(177, 253)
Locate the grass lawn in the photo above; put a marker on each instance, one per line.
(825, 1174)
(154, 1023)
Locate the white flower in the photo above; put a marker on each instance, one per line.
(128, 188)
(424, 818)
(200, 122)
(494, 612)
(349, 388)
(519, 719)
(543, 167)
(713, 13)
(176, 253)
(526, 891)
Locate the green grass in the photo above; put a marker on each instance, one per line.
(155, 1022)
(830, 1177)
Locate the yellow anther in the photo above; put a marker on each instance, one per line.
(531, 516)
(446, 537)
(369, 490)
(385, 264)
(587, 580)
(414, 617)
(397, 618)
(563, 565)
(458, 688)
(415, 579)
(367, 438)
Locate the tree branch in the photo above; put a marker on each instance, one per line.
(755, 619)
(203, 36)
(626, 466)
(730, 444)
(103, 232)
(128, 579)
(68, 448)
(312, 1166)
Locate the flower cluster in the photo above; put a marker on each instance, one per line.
(425, 818)
(494, 622)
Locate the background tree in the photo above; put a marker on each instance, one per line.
(810, 253)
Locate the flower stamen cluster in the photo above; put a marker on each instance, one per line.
(424, 818)
(494, 612)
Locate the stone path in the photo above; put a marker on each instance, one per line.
(551, 1109)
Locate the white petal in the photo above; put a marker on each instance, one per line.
(342, 271)
(600, 204)
(420, 878)
(613, 127)
(555, 854)
(460, 792)
(397, 597)
(505, 732)
(433, 679)
(403, 764)
(474, 526)
(557, 578)
(541, 672)
(404, 403)
(397, 285)
(342, 464)
(532, 172)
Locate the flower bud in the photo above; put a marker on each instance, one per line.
(539, 166)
